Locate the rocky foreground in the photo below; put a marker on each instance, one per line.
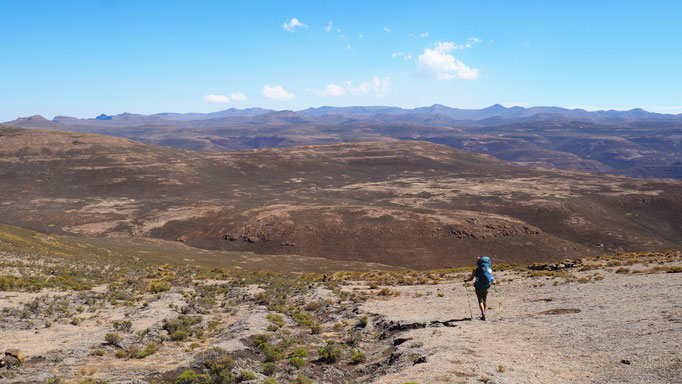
(607, 319)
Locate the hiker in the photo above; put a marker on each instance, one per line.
(484, 279)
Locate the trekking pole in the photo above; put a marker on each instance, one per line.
(466, 288)
(498, 300)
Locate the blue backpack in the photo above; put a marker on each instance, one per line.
(484, 273)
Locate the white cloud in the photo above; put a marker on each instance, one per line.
(238, 96)
(291, 25)
(331, 90)
(328, 28)
(474, 40)
(348, 47)
(361, 89)
(439, 63)
(379, 86)
(277, 93)
(425, 34)
(217, 99)
(446, 46)
(387, 29)
(406, 56)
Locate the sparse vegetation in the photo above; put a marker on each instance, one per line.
(304, 313)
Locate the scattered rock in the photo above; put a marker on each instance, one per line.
(556, 311)
(400, 340)
(15, 352)
(9, 362)
(626, 362)
(391, 327)
(419, 360)
(133, 381)
(252, 239)
(393, 358)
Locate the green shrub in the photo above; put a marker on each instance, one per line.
(272, 352)
(149, 350)
(217, 364)
(123, 325)
(300, 379)
(357, 357)
(276, 319)
(245, 375)
(270, 380)
(261, 340)
(297, 362)
(157, 286)
(299, 352)
(269, 368)
(330, 353)
(179, 336)
(182, 327)
(191, 377)
(112, 339)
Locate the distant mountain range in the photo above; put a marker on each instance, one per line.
(493, 115)
(634, 143)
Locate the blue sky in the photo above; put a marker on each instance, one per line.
(83, 58)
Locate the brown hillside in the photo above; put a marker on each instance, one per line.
(406, 203)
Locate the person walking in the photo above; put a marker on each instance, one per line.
(484, 280)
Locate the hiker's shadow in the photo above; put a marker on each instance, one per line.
(449, 323)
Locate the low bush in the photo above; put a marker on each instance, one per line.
(182, 328)
(357, 357)
(296, 362)
(330, 353)
(269, 368)
(157, 286)
(112, 339)
(245, 375)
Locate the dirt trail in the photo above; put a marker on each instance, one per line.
(578, 333)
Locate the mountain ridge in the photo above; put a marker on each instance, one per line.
(437, 109)
(633, 143)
